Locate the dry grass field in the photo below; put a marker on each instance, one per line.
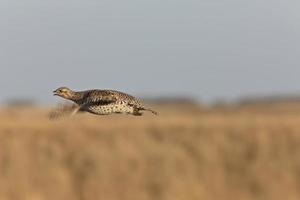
(186, 153)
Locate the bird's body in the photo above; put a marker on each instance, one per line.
(103, 102)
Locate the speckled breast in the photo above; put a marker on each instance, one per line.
(111, 108)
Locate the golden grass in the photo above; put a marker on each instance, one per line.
(184, 153)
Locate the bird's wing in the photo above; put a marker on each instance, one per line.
(63, 110)
(100, 97)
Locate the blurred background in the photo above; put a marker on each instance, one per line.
(222, 74)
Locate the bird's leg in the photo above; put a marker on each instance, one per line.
(136, 112)
(75, 110)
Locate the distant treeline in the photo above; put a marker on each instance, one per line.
(173, 100)
(269, 99)
(20, 102)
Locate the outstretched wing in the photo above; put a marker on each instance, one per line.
(62, 110)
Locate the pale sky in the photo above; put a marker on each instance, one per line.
(209, 49)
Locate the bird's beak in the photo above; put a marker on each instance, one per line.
(55, 93)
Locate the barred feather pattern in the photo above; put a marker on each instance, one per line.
(103, 102)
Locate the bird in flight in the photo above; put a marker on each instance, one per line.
(100, 102)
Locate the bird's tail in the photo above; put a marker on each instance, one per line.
(152, 111)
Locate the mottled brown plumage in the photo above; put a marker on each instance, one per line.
(103, 102)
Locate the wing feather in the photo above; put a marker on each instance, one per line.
(100, 97)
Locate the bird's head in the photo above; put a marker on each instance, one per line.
(63, 92)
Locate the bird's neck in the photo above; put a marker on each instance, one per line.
(76, 96)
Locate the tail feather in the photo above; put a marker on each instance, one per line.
(152, 111)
